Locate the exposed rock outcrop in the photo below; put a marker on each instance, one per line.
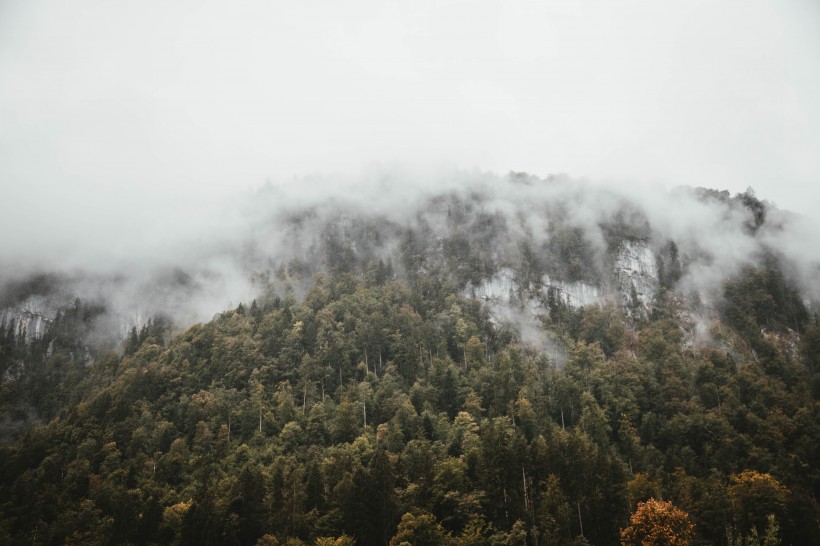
(636, 272)
(33, 315)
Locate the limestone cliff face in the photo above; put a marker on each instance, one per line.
(633, 273)
(501, 287)
(636, 272)
(33, 315)
(574, 294)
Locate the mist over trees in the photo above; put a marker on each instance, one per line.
(431, 377)
(465, 224)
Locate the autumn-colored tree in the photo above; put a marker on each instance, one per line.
(658, 523)
(421, 530)
(754, 496)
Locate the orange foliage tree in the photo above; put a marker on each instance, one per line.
(657, 523)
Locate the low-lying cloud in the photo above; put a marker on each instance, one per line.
(227, 256)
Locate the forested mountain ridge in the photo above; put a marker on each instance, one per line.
(464, 374)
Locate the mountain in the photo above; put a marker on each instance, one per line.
(473, 360)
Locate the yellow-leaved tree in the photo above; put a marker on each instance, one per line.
(658, 523)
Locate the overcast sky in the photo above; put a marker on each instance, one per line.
(131, 117)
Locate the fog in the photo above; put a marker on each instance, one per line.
(138, 139)
(255, 238)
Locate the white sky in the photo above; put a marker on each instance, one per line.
(119, 115)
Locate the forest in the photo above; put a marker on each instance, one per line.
(437, 381)
(378, 410)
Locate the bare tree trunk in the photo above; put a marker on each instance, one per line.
(580, 521)
(506, 509)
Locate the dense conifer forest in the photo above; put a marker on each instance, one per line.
(385, 405)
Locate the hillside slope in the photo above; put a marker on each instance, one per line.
(460, 373)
